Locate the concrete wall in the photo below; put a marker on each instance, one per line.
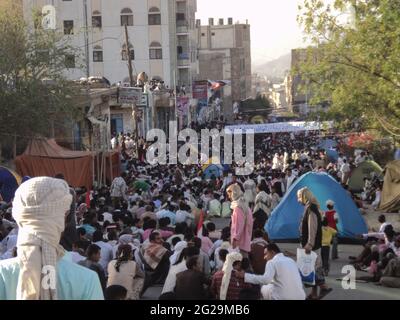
(225, 54)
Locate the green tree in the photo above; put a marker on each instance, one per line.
(33, 90)
(354, 63)
(260, 102)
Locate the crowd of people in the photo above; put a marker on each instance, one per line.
(154, 226)
(380, 256)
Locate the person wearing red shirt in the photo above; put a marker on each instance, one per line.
(233, 285)
(333, 219)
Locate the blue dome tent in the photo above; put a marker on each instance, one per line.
(328, 144)
(213, 170)
(332, 155)
(9, 183)
(214, 167)
(285, 219)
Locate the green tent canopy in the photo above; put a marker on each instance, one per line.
(390, 199)
(141, 185)
(364, 170)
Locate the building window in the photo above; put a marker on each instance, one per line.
(155, 54)
(180, 17)
(70, 61)
(203, 34)
(97, 54)
(242, 65)
(154, 17)
(126, 17)
(96, 19)
(213, 33)
(155, 51)
(181, 20)
(124, 52)
(68, 27)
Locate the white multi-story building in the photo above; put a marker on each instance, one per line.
(162, 39)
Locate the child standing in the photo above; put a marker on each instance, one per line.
(327, 234)
(333, 219)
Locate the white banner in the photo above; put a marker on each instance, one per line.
(281, 127)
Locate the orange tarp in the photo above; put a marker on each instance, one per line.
(46, 158)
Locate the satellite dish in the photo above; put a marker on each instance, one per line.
(49, 17)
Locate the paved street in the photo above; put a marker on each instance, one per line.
(363, 291)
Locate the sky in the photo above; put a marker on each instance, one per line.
(274, 29)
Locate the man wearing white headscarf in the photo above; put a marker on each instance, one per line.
(179, 247)
(179, 265)
(242, 220)
(227, 269)
(42, 270)
(223, 246)
(225, 285)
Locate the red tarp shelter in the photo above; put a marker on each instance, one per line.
(46, 158)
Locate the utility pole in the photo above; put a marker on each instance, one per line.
(132, 83)
(86, 35)
(128, 52)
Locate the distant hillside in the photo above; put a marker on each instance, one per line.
(275, 68)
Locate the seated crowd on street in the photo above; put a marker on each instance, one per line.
(155, 226)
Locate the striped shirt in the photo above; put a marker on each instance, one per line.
(234, 288)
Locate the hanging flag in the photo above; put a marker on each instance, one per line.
(217, 85)
(200, 225)
(88, 198)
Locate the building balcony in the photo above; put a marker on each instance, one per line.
(184, 56)
(184, 60)
(183, 63)
(182, 27)
(181, 6)
(163, 99)
(182, 30)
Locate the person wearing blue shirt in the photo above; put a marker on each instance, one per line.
(42, 269)
(74, 281)
(167, 213)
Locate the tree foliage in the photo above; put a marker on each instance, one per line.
(260, 102)
(33, 90)
(354, 60)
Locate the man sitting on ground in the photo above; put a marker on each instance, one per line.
(281, 280)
